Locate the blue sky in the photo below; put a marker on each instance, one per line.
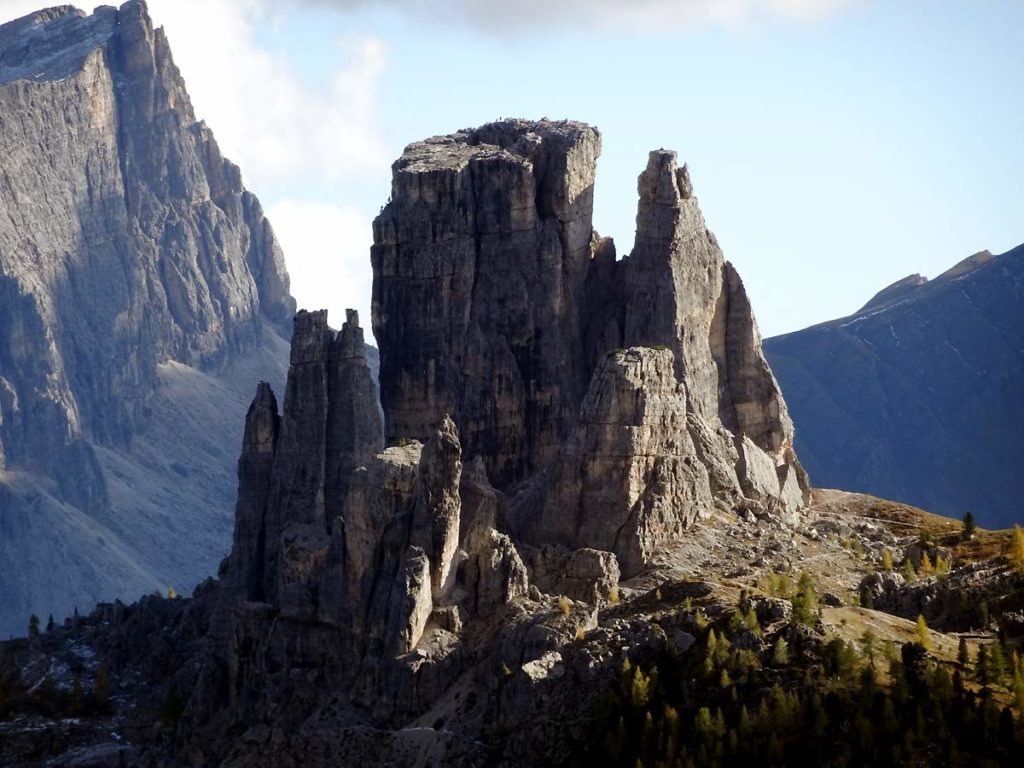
(835, 146)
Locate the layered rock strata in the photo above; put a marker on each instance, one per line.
(628, 480)
(128, 244)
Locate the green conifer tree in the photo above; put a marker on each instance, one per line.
(963, 654)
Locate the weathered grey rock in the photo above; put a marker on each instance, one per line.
(916, 396)
(383, 490)
(129, 249)
(473, 323)
(297, 484)
(435, 522)
(483, 507)
(293, 470)
(411, 601)
(682, 294)
(588, 575)
(355, 429)
(628, 480)
(494, 575)
(480, 261)
(244, 579)
(408, 558)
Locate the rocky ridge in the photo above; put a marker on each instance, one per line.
(915, 396)
(401, 576)
(131, 258)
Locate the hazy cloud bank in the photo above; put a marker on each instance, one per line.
(656, 14)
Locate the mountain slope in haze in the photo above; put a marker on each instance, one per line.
(918, 396)
(142, 294)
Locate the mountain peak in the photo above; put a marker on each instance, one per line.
(129, 252)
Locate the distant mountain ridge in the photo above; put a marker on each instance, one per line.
(140, 285)
(917, 396)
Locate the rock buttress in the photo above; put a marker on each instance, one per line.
(295, 469)
(480, 262)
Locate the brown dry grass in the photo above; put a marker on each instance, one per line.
(906, 520)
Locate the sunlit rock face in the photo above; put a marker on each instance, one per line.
(128, 245)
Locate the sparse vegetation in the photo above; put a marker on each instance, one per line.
(805, 601)
(921, 634)
(1017, 548)
(780, 652)
(564, 605)
(779, 585)
(826, 705)
(886, 559)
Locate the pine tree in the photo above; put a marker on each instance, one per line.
(1017, 548)
(49, 624)
(780, 652)
(101, 685)
(921, 634)
(926, 568)
(908, 570)
(640, 689)
(75, 705)
(751, 622)
(869, 645)
(963, 654)
(866, 600)
(174, 706)
(805, 601)
(886, 559)
(33, 626)
(997, 663)
(981, 668)
(969, 526)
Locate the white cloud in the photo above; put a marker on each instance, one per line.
(289, 134)
(334, 270)
(278, 126)
(539, 14)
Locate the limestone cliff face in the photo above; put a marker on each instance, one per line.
(480, 262)
(127, 242)
(496, 302)
(628, 480)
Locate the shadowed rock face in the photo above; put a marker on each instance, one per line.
(497, 303)
(330, 422)
(917, 396)
(480, 262)
(127, 242)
